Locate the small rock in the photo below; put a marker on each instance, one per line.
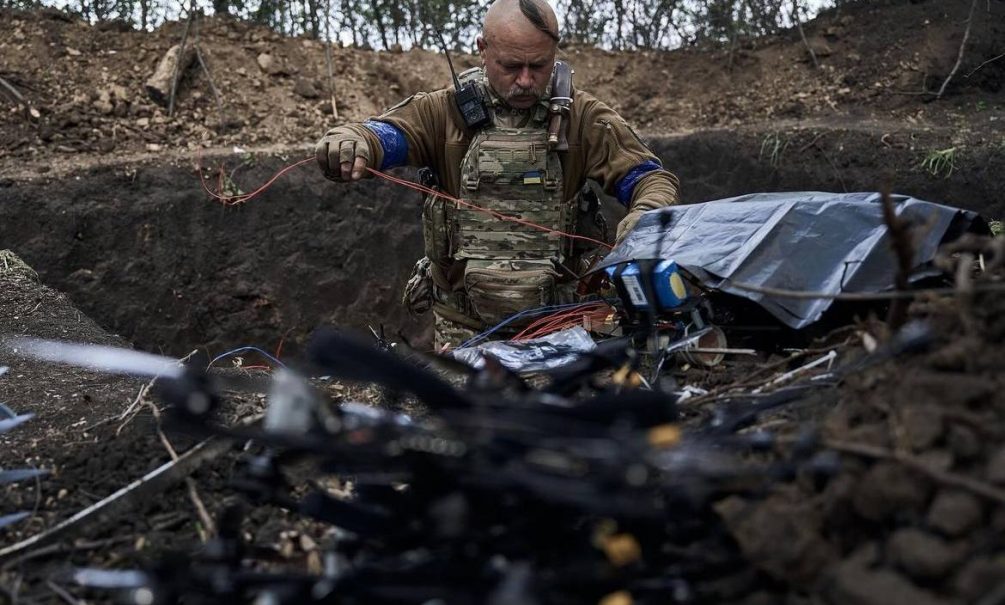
(153, 147)
(306, 88)
(954, 513)
(888, 489)
(118, 93)
(307, 544)
(948, 388)
(106, 145)
(266, 62)
(937, 459)
(73, 52)
(851, 584)
(45, 132)
(921, 554)
(979, 577)
(923, 426)
(143, 122)
(103, 106)
(820, 48)
(780, 535)
(996, 466)
(963, 442)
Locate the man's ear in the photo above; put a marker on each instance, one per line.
(481, 44)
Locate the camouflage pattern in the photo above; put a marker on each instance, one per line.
(498, 289)
(418, 294)
(449, 333)
(437, 219)
(511, 171)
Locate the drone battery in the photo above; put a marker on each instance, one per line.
(627, 279)
(667, 286)
(671, 292)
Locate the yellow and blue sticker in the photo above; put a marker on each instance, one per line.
(533, 177)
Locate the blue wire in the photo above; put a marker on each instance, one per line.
(242, 350)
(538, 311)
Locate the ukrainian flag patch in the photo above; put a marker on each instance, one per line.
(532, 178)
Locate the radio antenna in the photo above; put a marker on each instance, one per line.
(443, 45)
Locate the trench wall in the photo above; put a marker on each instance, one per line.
(140, 249)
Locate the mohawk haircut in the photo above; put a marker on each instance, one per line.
(532, 11)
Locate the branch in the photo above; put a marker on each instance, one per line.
(799, 25)
(328, 58)
(974, 486)
(9, 88)
(900, 241)
(209, 78)
(181, 53)
(981, 66)
(30, 112)
(959, 57)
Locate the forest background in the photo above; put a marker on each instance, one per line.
(404, 24)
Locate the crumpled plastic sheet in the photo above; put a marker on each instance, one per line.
(528, 356)
(807, 241)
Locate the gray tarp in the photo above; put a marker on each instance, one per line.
(808, 241)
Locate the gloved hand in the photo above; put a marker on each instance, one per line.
(343, 154)
(627, 224)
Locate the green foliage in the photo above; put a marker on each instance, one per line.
(996, 228)
(940, 162)
(617, 24)
(772, 148)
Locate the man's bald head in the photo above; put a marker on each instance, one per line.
(518, 46)
(510, 16)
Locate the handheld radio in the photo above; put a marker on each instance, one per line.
(469, 99)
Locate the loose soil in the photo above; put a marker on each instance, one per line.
(102, 197)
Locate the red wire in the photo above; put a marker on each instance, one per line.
(234, 200)
(493, 213)
(563, 319)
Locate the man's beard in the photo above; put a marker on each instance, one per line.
(519, 91)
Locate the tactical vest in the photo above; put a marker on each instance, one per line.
(511, 266)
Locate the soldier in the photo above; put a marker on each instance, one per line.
(480, 269)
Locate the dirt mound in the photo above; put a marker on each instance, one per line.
(874, 59)
(914, 516)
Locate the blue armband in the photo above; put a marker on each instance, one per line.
(626, 186)
(392, 141)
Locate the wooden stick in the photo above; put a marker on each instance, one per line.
(328, 58)
(799, 26)
(62, 593)
(974, 486)
(181, 53)
(981, 66)
(900, 241)
(152, 483)
(959, 57)
(193, 491)
(209, 78)
(7, 86)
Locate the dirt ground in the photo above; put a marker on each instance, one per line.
(915, 516)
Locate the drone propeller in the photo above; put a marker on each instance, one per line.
(100, 358)
(12, 423)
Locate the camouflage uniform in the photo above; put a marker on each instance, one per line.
(482, 269)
